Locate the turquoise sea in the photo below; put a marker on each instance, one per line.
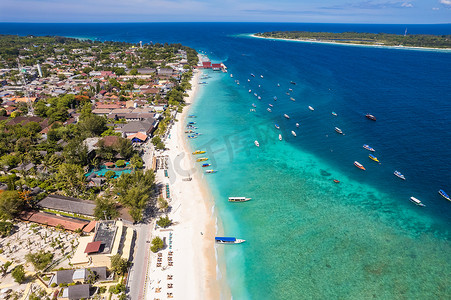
(306, 236)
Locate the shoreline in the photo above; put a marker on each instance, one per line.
(193, 230)
(351, 44)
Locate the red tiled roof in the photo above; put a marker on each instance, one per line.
(93, 247)
(109, 164)
(90, 226)
(53, 220)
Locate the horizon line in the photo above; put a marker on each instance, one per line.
(218, 22)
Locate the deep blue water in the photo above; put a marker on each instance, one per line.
(306, 236)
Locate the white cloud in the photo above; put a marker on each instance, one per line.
(407, 4)
(435, 8)
(446, 2)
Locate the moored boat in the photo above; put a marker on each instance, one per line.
(292, 82)
(372, 157)
(416, 201)
(202, 159)
(252, 75)
(334, 113)
(292, 99)
(278, 84)
(275, 98)
(239, 199)
(297, 125)
(398, 174)
(257, 143)
(338, 130)
(280, 137)
(253, 105)
(255, 94)
(205, 165)
(259, 98)
(311, 108)
(271, 105)
(286, 116)
(261, 76)
(359, 165)
(269, 109)
(293, 133)
(368, 148)
(371, 117)
(192, 116)
(444, 195)
(198, 152)
(277, 126)
(211, 171)
(250, 91)
(228, 240)
(336, 181)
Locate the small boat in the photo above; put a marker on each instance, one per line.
(271, 105)
(203, 82)
(368, 148)
(239, 199)
(336, 181)
(250, 91)
(252, 110)
(275, 98)
(259, 98)
(192, 116)
(211, 171)
(189, 131)
(252, 75)
(257, 143)
(255, 94)
(238, 82)
(297, 125)
(253, 105)
(292, 99)
(286, 116)
(287, 93)
(277, 126)
(444, 195)
(334, 113)
(259, 85)
(371, 117)
(202, 159)
(269, 109)
(278, 84)
(398, 174)
(372, 157)
(280, 137)
(191, 123)
(338, 130)
(248, 80)
(228, 240)
(231, 75)
(359, 165)
(192, 136)
(293, 133)
(292, 82)
(416, 201)
(290, 89)
(261, 76)
(198, 152)
(311, 108)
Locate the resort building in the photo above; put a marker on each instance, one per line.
(68, 204)
(110, 238)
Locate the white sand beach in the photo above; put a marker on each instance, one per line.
(186, 268)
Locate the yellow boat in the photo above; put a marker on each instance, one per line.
(198, 152)
(373, 157)
(202, 159)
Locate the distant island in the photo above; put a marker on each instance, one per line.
(358, 38)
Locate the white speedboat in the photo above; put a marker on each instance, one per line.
(269, 109)
(297, 125)
(257, 143)
(293, 133)
(239, 199)
(416, 201)
(280, 137)
(286, 116)
(311, 108)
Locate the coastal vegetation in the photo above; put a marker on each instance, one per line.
(386, 39)
(164, 222)
(157, 244)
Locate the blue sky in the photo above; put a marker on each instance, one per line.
(303, 11)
